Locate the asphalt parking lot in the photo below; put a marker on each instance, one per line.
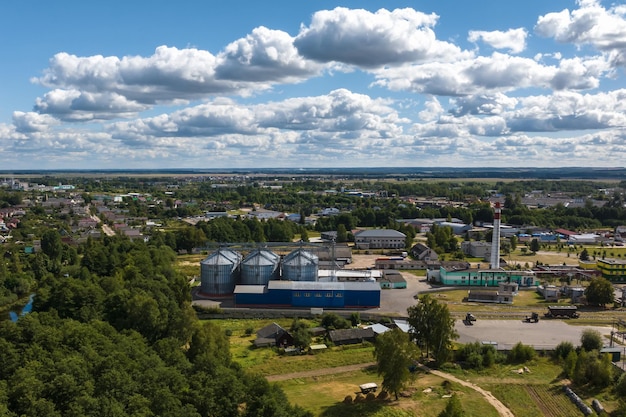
(545, 334)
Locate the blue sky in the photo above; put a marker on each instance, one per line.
(242, 84)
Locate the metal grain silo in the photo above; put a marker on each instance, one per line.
(300, 265)
(259, 267)
(219, 272)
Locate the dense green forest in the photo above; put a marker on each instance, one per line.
(113, 334)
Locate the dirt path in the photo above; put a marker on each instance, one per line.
(320, 372)
(500, 408)
(503, 411)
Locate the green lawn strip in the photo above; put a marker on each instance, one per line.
(516, 398)
(542, 370)
(339, 356)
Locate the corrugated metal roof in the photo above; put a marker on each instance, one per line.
(222, 257)
(249, 289)
(261, 257)
(317, 285)
(380, 233)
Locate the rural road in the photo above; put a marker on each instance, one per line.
(502, 410)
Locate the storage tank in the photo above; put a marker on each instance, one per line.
(260, 266)
(300, 265)
(219, 272)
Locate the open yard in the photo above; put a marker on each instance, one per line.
(320, 382)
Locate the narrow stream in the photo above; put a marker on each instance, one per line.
(25, 310)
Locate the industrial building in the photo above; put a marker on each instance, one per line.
(492, 277)
(306, 294)
(612, 269)
(264, 278)
(380, 239)
(475, 277)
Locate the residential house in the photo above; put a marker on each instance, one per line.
(273, 335)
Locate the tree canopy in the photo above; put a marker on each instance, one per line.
(600, 292)
(432, 327)
(116, 336)
(395, 355)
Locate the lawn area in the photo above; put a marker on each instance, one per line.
(324, 395)
(268, 361)
(536, 392)
(528, 394)
(525, 301)
(189, 265)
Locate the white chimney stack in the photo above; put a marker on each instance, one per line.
(495, 240)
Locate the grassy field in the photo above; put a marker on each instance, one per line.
(533, 393)
(426, 396)
(269, 362)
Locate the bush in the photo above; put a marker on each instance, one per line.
(333, 321)
(620, 386)
(562, 350)
(521, 353)
(477, 356)
(453, 408)
(249, 331)
(591, 340)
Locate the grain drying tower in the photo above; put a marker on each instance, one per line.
(259, 267)
(219, 272)
(300, 265)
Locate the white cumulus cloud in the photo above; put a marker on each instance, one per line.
(365, 39)
(513, 39)
(590, 24)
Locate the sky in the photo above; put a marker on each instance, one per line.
(312, 84)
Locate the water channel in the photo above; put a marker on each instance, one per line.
(25, 310)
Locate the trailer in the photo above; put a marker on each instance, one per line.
(563, 312)
(369, 387)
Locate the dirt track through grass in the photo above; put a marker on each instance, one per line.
(497, 404)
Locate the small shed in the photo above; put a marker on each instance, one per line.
(489, 296)
(615, 352)
(378, 328)
(392, 279)
(318, 347)
(351, 336)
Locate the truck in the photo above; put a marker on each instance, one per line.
(533, 318)
(565, 312)
(469, 319)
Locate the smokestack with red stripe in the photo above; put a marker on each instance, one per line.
(495, 241)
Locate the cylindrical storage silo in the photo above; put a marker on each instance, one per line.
(300, 265)
(219, 272)
(259, 267)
